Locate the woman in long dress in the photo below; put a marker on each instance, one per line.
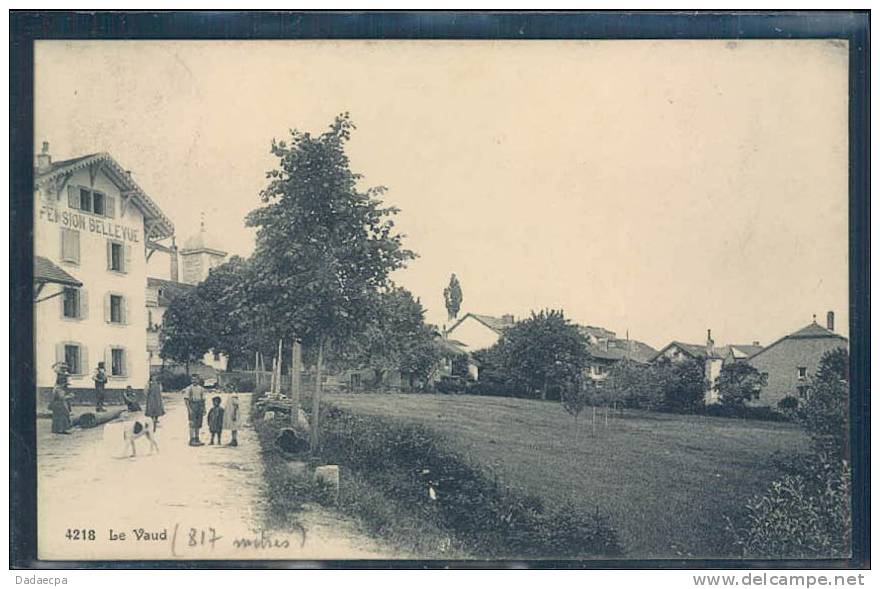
(155, 408)
(60, 407)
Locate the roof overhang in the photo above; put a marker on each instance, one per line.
(161, 226)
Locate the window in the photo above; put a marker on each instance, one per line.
(803, 391)
(117, 314)
(802, 372)
(91, 201)
(69, 245)
(73, 358)
(115, 256)
(70, 305)
(216, 356)
(117, 362)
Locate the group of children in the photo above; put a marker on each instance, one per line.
(220, 417)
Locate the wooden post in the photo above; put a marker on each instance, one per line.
(593, 421)
(295, 369)
(278, 369)
(257, 380)
(606, 416)
(316, 399)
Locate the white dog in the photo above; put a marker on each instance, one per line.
(136, 428)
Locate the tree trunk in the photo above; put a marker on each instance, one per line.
(295, 370)
(316, 399)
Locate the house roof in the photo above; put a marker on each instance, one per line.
(496, 324)
(599, 332)
(739, 351)
(811, 331)
(697, 351)
(169, 290)
(622, 349)
(163, 227)
(46, 272)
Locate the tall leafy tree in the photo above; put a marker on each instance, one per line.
(738, 383)
(186, 329)
(453, 297)
(396, 338)
(324, 246)
(542, 354)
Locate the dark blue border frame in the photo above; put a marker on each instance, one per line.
(27, 26)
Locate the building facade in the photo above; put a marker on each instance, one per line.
(93, 221)
(793, 360)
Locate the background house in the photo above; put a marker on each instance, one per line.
(791, 361)
(604, 350)
(478, 332)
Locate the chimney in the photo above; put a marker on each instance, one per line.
(175, 273)
(756, 343)
(830, 321)
(710, 343)
(44, 160)
(507, 318)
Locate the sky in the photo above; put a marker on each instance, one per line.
(659, 188)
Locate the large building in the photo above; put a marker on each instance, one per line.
(793, 360)
(94, 228)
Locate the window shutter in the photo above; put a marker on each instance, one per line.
(59, 353)
(83, 303)
(83, 359)
(73, 197)
(124, 310)
(126, 363)
(61, 308)
(109, 255)
(108, 360)
(110, 206)
(66, 246)
(107, 308)
(74, 240)
(126, 266)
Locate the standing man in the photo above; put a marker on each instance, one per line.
(100, 378)
(194, 397)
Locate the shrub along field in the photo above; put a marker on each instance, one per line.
(665, 481)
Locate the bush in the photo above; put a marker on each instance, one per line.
(174, 381)
(744, 412)
(804, 515)
(415, 471)
(788, 403)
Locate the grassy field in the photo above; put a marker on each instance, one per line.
(665, 480)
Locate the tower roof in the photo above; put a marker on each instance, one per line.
(202, 242)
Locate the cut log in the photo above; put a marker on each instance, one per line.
(89, 420)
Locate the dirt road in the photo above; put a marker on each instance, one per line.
(182, 503)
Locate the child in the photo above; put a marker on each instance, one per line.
(100, 378)
(130, 400)
(215, 420)
(232, 419)
(154, 406)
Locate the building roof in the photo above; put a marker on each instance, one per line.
(202, 242)
(46, 272)
(811, 331)
(163, 227)
(622, 349)
(697, 351)
(496, 324)
(598, 332)
(741, 351)
(168, 289)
